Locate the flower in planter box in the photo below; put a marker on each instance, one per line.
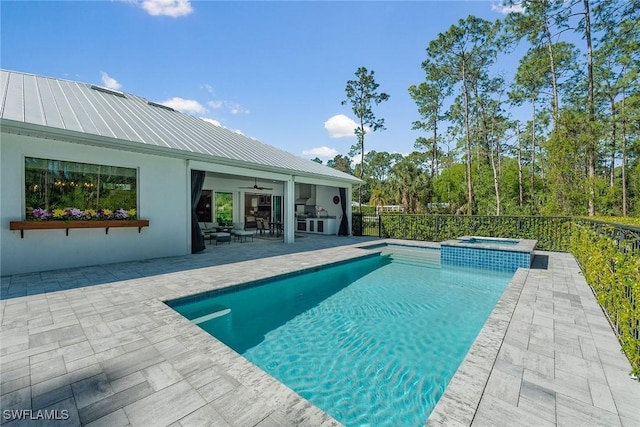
(59, 214)
(120, 214)
(41, 214)
(74, 213)
(104, 213)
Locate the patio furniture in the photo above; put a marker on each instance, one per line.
(250, 221)
(275, 228)
(242, 235)
(220, 237)
(261, 225)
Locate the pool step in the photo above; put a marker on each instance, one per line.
(419, 260)
(220, 311)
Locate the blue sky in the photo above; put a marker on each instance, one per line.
(274, 71)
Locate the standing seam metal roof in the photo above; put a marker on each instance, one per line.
(77, 107)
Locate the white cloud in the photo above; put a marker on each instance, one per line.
(235, 108)
(500, 7)
(340, 126)
(212, 121)
(208, 88)
(184, 105)
(232, 107)
(217, 123)
(172, 8)
(110, 82)
(324, 152)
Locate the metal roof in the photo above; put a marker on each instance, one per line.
(126, 121)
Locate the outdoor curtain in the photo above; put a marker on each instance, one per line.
(197, 239)
(344, 222)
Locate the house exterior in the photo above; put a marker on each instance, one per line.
(68, 145)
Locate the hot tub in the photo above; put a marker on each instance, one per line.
(488, 252)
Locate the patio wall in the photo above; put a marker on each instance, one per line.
(162, 199)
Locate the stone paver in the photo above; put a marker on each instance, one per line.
(557, 362)
(97, 346)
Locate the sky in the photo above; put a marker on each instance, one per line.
(273, 71)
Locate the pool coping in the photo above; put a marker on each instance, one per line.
(459, 402)
(523, 245)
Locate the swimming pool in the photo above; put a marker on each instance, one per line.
(373, 341)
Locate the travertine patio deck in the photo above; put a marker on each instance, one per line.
(99, 343)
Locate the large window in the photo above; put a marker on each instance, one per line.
(61, 185)
(224, 208)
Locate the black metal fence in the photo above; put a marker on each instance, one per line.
(626, 237)
(611, 263)
(552, 233)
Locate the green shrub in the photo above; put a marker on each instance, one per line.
(614, 276)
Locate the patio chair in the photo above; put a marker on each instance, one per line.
(260, 225)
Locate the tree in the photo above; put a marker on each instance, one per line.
(532, 83)
(429, 97)
(362, 94)
(616, 61)
(378, 198)
(462, 56)
(540, 22)
(341, 163)
(407, 181)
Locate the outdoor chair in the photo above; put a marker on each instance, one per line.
(260, 225)
(240, 233)
(220, 237)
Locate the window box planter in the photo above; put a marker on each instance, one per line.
(66, 225)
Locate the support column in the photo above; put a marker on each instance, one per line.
(289, 208)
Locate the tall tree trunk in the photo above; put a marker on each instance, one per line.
(496, 184)
(465, 90)
(361, 136)
(591, 150)
(533, 147)
(520, 186)
(624, 157)
(612, 161)
(554, 79)
(434, 149)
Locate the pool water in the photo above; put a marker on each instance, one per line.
(371, 342)
(480, 241)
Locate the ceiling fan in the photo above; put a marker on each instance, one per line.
(256, 187)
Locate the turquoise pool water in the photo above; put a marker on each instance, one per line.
(371, 342)
(487, 241)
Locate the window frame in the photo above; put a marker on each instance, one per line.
(23, 185)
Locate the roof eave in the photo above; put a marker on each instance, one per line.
(47, 132)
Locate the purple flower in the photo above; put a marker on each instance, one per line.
(121, 214)
(75, 212)
(41, 213)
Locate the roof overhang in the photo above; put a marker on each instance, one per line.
(52, 133)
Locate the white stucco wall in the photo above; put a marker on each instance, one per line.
(162, 199)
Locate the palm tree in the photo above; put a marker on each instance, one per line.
(408, 181)
(377, 198)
